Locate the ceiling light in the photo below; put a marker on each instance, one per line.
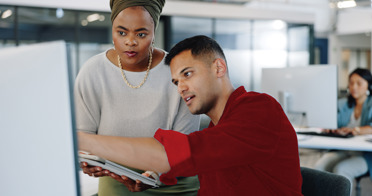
(59, 13)
(346, 4)
(93, 17)
(6, 14)
(278, 24)
(84, 22)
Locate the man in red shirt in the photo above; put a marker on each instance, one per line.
(249, 148)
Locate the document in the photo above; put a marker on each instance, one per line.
(94, 160)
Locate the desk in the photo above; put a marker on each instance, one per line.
(356, 143)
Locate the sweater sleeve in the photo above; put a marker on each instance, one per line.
(86, 100)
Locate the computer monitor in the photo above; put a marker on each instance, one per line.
(308, 94)
(38, 142)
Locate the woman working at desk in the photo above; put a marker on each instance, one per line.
(354, 117)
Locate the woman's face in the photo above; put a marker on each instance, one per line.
(133, 33)
(357, 86)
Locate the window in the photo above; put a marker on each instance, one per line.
(7, 29)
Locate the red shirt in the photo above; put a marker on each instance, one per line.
(251, 151)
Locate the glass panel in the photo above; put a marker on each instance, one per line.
(95, 27)
(42, 24)
(184, 27)
(239, 67)
(270, 35)
(48, 24)
(234, 36)
(298, 58)
(7, 37)
(298, 38)
(94, 35)
(298, 46)
(269, 47)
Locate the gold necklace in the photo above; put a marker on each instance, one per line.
(144, 79)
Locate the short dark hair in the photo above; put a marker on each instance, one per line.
(201, 46)
(366, 75)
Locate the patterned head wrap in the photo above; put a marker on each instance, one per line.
(154, 7)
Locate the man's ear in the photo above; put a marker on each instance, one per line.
(220, 66)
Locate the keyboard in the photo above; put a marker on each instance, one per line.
(325, 134)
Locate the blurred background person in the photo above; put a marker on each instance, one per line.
(354, 117)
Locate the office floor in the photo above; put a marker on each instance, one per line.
(309, 157)
(89, 185)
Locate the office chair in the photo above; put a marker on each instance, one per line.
(358, 188)
(321, 183)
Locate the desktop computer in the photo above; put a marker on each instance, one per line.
(308, 95)
(38, 142)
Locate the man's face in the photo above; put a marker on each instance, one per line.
(196, 82)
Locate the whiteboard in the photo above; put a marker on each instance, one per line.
(37, 142)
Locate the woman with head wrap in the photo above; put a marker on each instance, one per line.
(127, 91)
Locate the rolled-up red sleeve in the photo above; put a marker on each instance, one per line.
(177, 147)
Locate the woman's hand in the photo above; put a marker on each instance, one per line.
(94, 171)
(133, 186)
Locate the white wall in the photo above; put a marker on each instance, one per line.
(354, 28)
(354, 21)
(339, 42)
